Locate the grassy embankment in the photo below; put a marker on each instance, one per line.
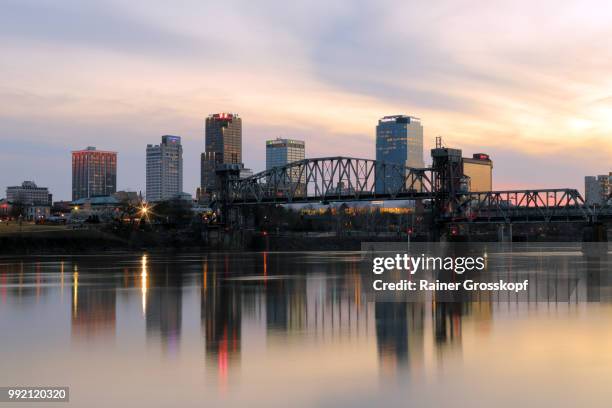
(29, 237)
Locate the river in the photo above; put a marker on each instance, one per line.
(288, 329)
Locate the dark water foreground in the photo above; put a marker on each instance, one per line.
(291, 329)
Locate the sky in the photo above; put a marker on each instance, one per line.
(529, 83)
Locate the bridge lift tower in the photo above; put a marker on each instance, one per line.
(448, 179)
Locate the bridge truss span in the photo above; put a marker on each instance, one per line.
(544, 205)
(332, 179)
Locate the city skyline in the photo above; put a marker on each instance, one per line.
(534, 93)
(236, 156)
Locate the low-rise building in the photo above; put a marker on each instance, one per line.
(28, 193)
(36, 212)
(104, 207)
(61, 207)
(129, 197)
(29, 201)
(5, 208)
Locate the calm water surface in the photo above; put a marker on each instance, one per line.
(286, 329)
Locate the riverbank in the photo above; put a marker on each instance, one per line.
(35, 239)
(59, 240)
(46, 239)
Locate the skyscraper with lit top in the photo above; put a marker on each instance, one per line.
(94, 173)
(223, 145)
(399, 140)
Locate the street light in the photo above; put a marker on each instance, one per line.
(145, 210)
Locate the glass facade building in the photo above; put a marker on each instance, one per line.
(223, 145)
(280, 152)
(165, 169)
(284, 151)
(94, 173)
(399, 140)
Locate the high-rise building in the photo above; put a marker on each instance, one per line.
(223, 144)
(479, 169)
(399, 140)
(284, 151)
(165, 169)
(94, 173)
(280, 152)
(597, 189)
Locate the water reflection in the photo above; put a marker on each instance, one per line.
(221, 316)
(93, 312)
(262, 307)
(162, 304)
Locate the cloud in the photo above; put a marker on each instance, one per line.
(92, 25)
(519, 80)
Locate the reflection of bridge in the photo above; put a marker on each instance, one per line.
(343, 179)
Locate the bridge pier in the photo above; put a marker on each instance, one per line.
(504, 232)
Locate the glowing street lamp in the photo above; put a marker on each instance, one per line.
(145, 210)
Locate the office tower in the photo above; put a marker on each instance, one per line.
(94, 173)
(32, 202)
(280, 152)
(223, 144)
(28, 193)
(399, 140)
(165, 169)
(479, 169)
(283, 151)
(597, 189)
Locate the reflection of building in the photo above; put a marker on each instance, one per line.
(164, 169)
(162, 302)
(93, 310)
(399, 335)
(222, 320)
(94, 173)
(447, 322)
(399, 140)
(597, 189)
(392, 331)
(223, 144)
(164, 314)
(479, 169)
(277, 305)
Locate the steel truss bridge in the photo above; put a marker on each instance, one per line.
(344, 179)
